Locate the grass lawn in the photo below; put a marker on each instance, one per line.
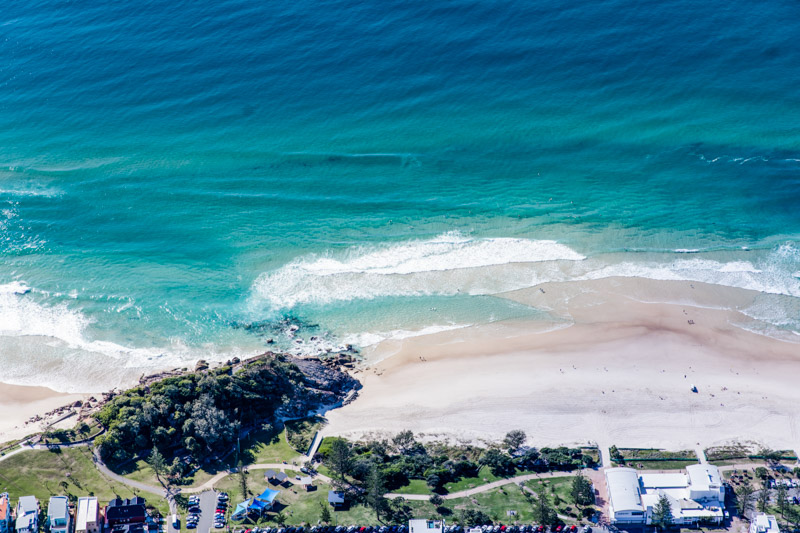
(484, 476)
(263, 447)
(497, 502)
(415, 486)
(41, 472)
(145, 474)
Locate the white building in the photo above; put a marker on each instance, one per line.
(425, 526)
(624, 496)
(87, 517)
(764, 523)
(698, 496)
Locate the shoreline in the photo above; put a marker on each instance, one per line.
(621, 374)
(21, 403)
(615, 366)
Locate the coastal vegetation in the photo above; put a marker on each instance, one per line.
(403, 463)
(203, 414)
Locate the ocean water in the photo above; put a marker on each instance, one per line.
(186, 180)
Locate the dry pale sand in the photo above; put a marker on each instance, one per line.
(621, 374)
(20, 403)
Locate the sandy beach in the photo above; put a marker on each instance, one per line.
(18, 404)
(621, 373)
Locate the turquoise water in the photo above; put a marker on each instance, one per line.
(184, 181)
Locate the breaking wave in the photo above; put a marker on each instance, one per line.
(434, 266)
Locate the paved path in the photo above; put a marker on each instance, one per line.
(208, 485)
(701, 455)
(482, 488)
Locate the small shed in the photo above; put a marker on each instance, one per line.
(307, 483)
(336, 499)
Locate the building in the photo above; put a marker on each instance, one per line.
(6, 523)
(764, 523)
(425, 526)
(87, 516)
(58, 517)
(307, 483)
(27, 515)
(624, 496)
(695, 497)
(126, 516)
(336, 499)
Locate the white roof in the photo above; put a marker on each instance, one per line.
(305, 480)
(703, 476)
(87, 513)
(651, 481)
(623, 489)
(765, 523)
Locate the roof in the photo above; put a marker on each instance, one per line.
(663, 481)
(765, 523)
(281, 476)
(305, 480)
(132, 508)
(704, 476)
(335, 497)
(86, 513)
(5, 507)
(57, 507)
(269, 474)
(623, 489)
(27, 504)
(268, 495)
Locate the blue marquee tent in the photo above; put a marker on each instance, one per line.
(259, 504)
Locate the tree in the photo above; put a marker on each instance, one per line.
(325, 513)
(340, 461)
(761, 472)
(243, 481)
(436, 499)
(616, 455)
(662, 514)
(514, 440)
(744, 496)
(780, 495)
(762, 503)
(375, 490)
(543, 511)
(404, 441)
(582, 491)
(157, 462)
(501, 464)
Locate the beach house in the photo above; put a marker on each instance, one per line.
(87, 516)
(764, 523)
(696, 496)
(27, 515)
(58, 517)
(6, 524)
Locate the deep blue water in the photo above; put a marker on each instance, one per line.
(171, 172)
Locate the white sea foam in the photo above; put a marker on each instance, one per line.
(403, 269)
(50, 345)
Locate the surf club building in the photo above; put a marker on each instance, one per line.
(696, 497)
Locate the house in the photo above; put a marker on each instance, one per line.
(87, 516)
(764, 523)
(695, 497)
(58, 517)
(6, 524)
(425, 526)
(307, 483)
(336, 499)
(27, 515)
(126, 516)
